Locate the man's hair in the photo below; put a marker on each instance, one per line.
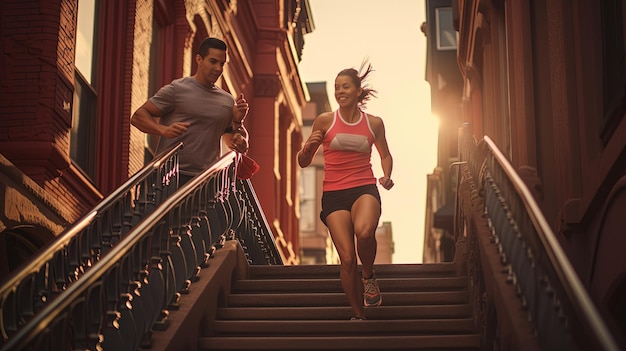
(211, 43)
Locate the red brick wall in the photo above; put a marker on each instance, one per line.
(37, 89)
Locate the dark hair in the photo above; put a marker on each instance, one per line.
(359, 79)
(211, 43)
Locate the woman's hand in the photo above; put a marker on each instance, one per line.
(314, 141)
(386, 182)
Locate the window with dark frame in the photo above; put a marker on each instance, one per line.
(614, 63)
(446, 34)
(84, 109)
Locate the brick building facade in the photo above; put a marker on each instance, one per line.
(74, 71)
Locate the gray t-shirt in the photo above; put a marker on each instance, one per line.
(209, 110)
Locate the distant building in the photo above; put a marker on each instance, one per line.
(385, 248)
(316, 247)
(446, 85)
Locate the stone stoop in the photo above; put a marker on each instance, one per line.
(425, 307)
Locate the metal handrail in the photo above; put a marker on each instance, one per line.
(61, 241)
(106, 283)
(568, 278)
(273, 256)
(55, 307)
(44, 257)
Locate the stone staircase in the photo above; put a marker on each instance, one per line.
(425, 307)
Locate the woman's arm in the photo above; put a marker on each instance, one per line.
(320, 126)
(386, 160)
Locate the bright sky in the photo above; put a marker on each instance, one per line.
(388, 34)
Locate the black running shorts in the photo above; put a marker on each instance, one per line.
(344, 199)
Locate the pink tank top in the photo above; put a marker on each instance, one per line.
(347, 154)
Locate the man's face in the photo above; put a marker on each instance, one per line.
(211, 66)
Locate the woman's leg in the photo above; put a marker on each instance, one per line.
(365, 215)
(341, 230)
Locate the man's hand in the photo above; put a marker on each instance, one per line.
(240, 109)
(239, 143)
(175, 130)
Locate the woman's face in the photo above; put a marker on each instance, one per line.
(346, 92)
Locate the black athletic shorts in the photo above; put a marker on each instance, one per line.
(344, 199)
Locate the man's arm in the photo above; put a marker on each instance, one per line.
(240, 111)
(146, 119)
(236, 136)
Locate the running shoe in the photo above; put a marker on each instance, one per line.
(371, 292)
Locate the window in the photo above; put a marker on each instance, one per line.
(85, 38)
(84, 113)
(446, 35)
(614, 62)
(83, 133)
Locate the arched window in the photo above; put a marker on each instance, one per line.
(18, 244)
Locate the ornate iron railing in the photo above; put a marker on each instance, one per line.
(64, 260)
(128, 291)
(558, 307)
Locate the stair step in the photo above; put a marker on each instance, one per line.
(339, 299)
(343, 327)
(344, 313)
(425, 307)
(332, 271)
(334, 284)
(361, 342)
